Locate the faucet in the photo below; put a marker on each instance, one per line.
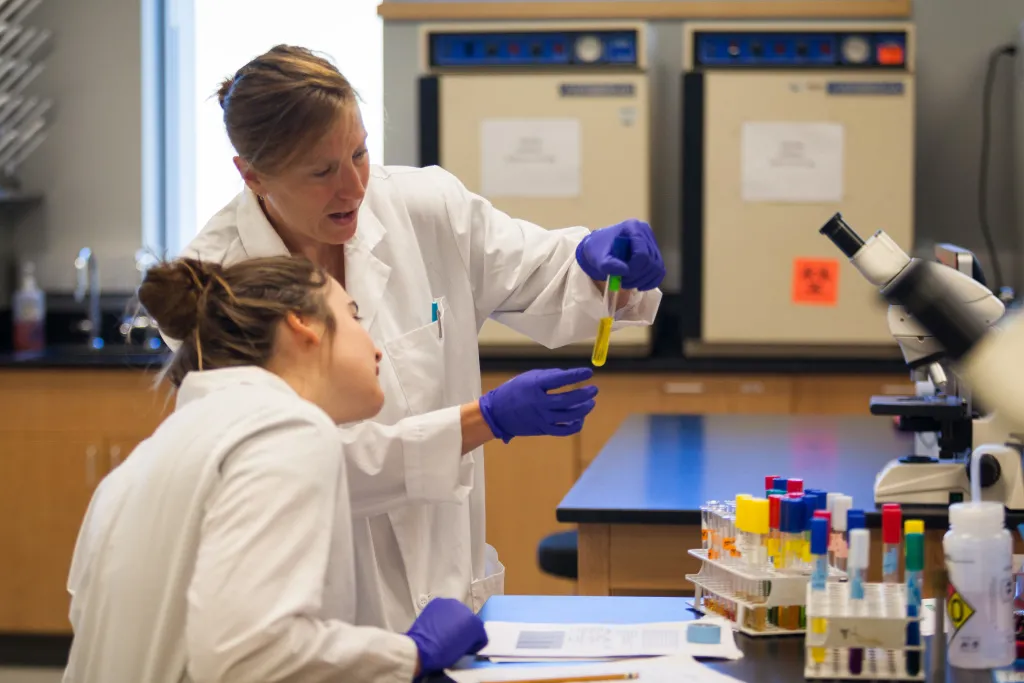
(87, 271)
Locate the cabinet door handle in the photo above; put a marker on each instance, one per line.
(115, 456)
(752, 388)
(90, 466)
(683, 387)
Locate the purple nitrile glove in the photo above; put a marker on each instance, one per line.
(522, 406)
(444, 632)
(643, 270)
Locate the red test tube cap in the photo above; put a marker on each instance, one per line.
(795, 486)
(892, 522)
(794, 495)
(769, 481)
(774, 510)
(825, 515)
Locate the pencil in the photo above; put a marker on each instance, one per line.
(583, 679)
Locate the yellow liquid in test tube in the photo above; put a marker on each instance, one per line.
(620, 250)
(818, 626)
(604, 335)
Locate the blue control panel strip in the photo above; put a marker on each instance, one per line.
(540, 49)
(811, 49)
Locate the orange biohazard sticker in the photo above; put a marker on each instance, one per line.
(815, 281)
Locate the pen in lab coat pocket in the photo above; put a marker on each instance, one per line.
(435, 317)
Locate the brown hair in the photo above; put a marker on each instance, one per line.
(279, 105)
(229, 316)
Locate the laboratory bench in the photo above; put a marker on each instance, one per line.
(765, 660)
(638, 504)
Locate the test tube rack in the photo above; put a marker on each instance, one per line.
(877, 625)
(733, 584)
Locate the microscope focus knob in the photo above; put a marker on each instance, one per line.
(990, 470)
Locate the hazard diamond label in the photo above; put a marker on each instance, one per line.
(958, 610)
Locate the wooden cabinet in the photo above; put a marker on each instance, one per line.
(61, 432)
(845, 395)
(526, 479)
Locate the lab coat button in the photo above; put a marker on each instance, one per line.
(424, 599)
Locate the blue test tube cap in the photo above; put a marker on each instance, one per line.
(621, 248)
(818, 492)
(819, 536)
(791, 516)
(854, 520)
(780, 484)
(810, 505)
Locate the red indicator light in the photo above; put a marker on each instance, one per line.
(890, 54)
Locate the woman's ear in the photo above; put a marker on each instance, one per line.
(251, 177)
(305, 334)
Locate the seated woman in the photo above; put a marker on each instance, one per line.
(221, 550)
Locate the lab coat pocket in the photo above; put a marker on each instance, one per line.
(418, 360)
(493, 582)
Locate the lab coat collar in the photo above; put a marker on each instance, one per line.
(199, 384)
(259, 238)
(366, 276)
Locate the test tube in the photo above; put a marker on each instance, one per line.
(620, 250)
(914, 566)
(760, 513)
(838, 546)
(705, 525)
(744, 544)
(794, 486)
(769, 483)
(819, 577)
(892, 518)
(774, 535)
(792, 517)
(810, 505)
(779, 484)
(858, 563)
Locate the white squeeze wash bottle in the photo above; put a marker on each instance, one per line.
(979, 559)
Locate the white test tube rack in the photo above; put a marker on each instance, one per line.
(732, 582)
(877, 625)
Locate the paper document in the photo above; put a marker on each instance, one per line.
(792, 162)
(711, 638)
(530, 158)
(675, 669)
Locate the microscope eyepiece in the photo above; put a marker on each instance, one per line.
(842, 235)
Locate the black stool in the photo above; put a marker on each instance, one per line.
(558, 553)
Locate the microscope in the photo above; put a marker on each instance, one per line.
(953, 412)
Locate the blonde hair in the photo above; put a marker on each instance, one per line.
(281, 104)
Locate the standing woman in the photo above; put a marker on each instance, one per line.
(428, 261)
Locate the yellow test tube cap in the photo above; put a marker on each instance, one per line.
(743, 511)
(759, 511)
(913, 526)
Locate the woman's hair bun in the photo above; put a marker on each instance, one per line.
(225, 90)
(171, 294)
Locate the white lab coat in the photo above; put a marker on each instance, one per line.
(221, 550)
(423, 237)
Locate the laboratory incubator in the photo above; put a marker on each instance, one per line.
(783, 122)
(548, 121)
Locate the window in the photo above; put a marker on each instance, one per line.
(204, 42)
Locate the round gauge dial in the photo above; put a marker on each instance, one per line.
(856, 50)
(589, 48)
